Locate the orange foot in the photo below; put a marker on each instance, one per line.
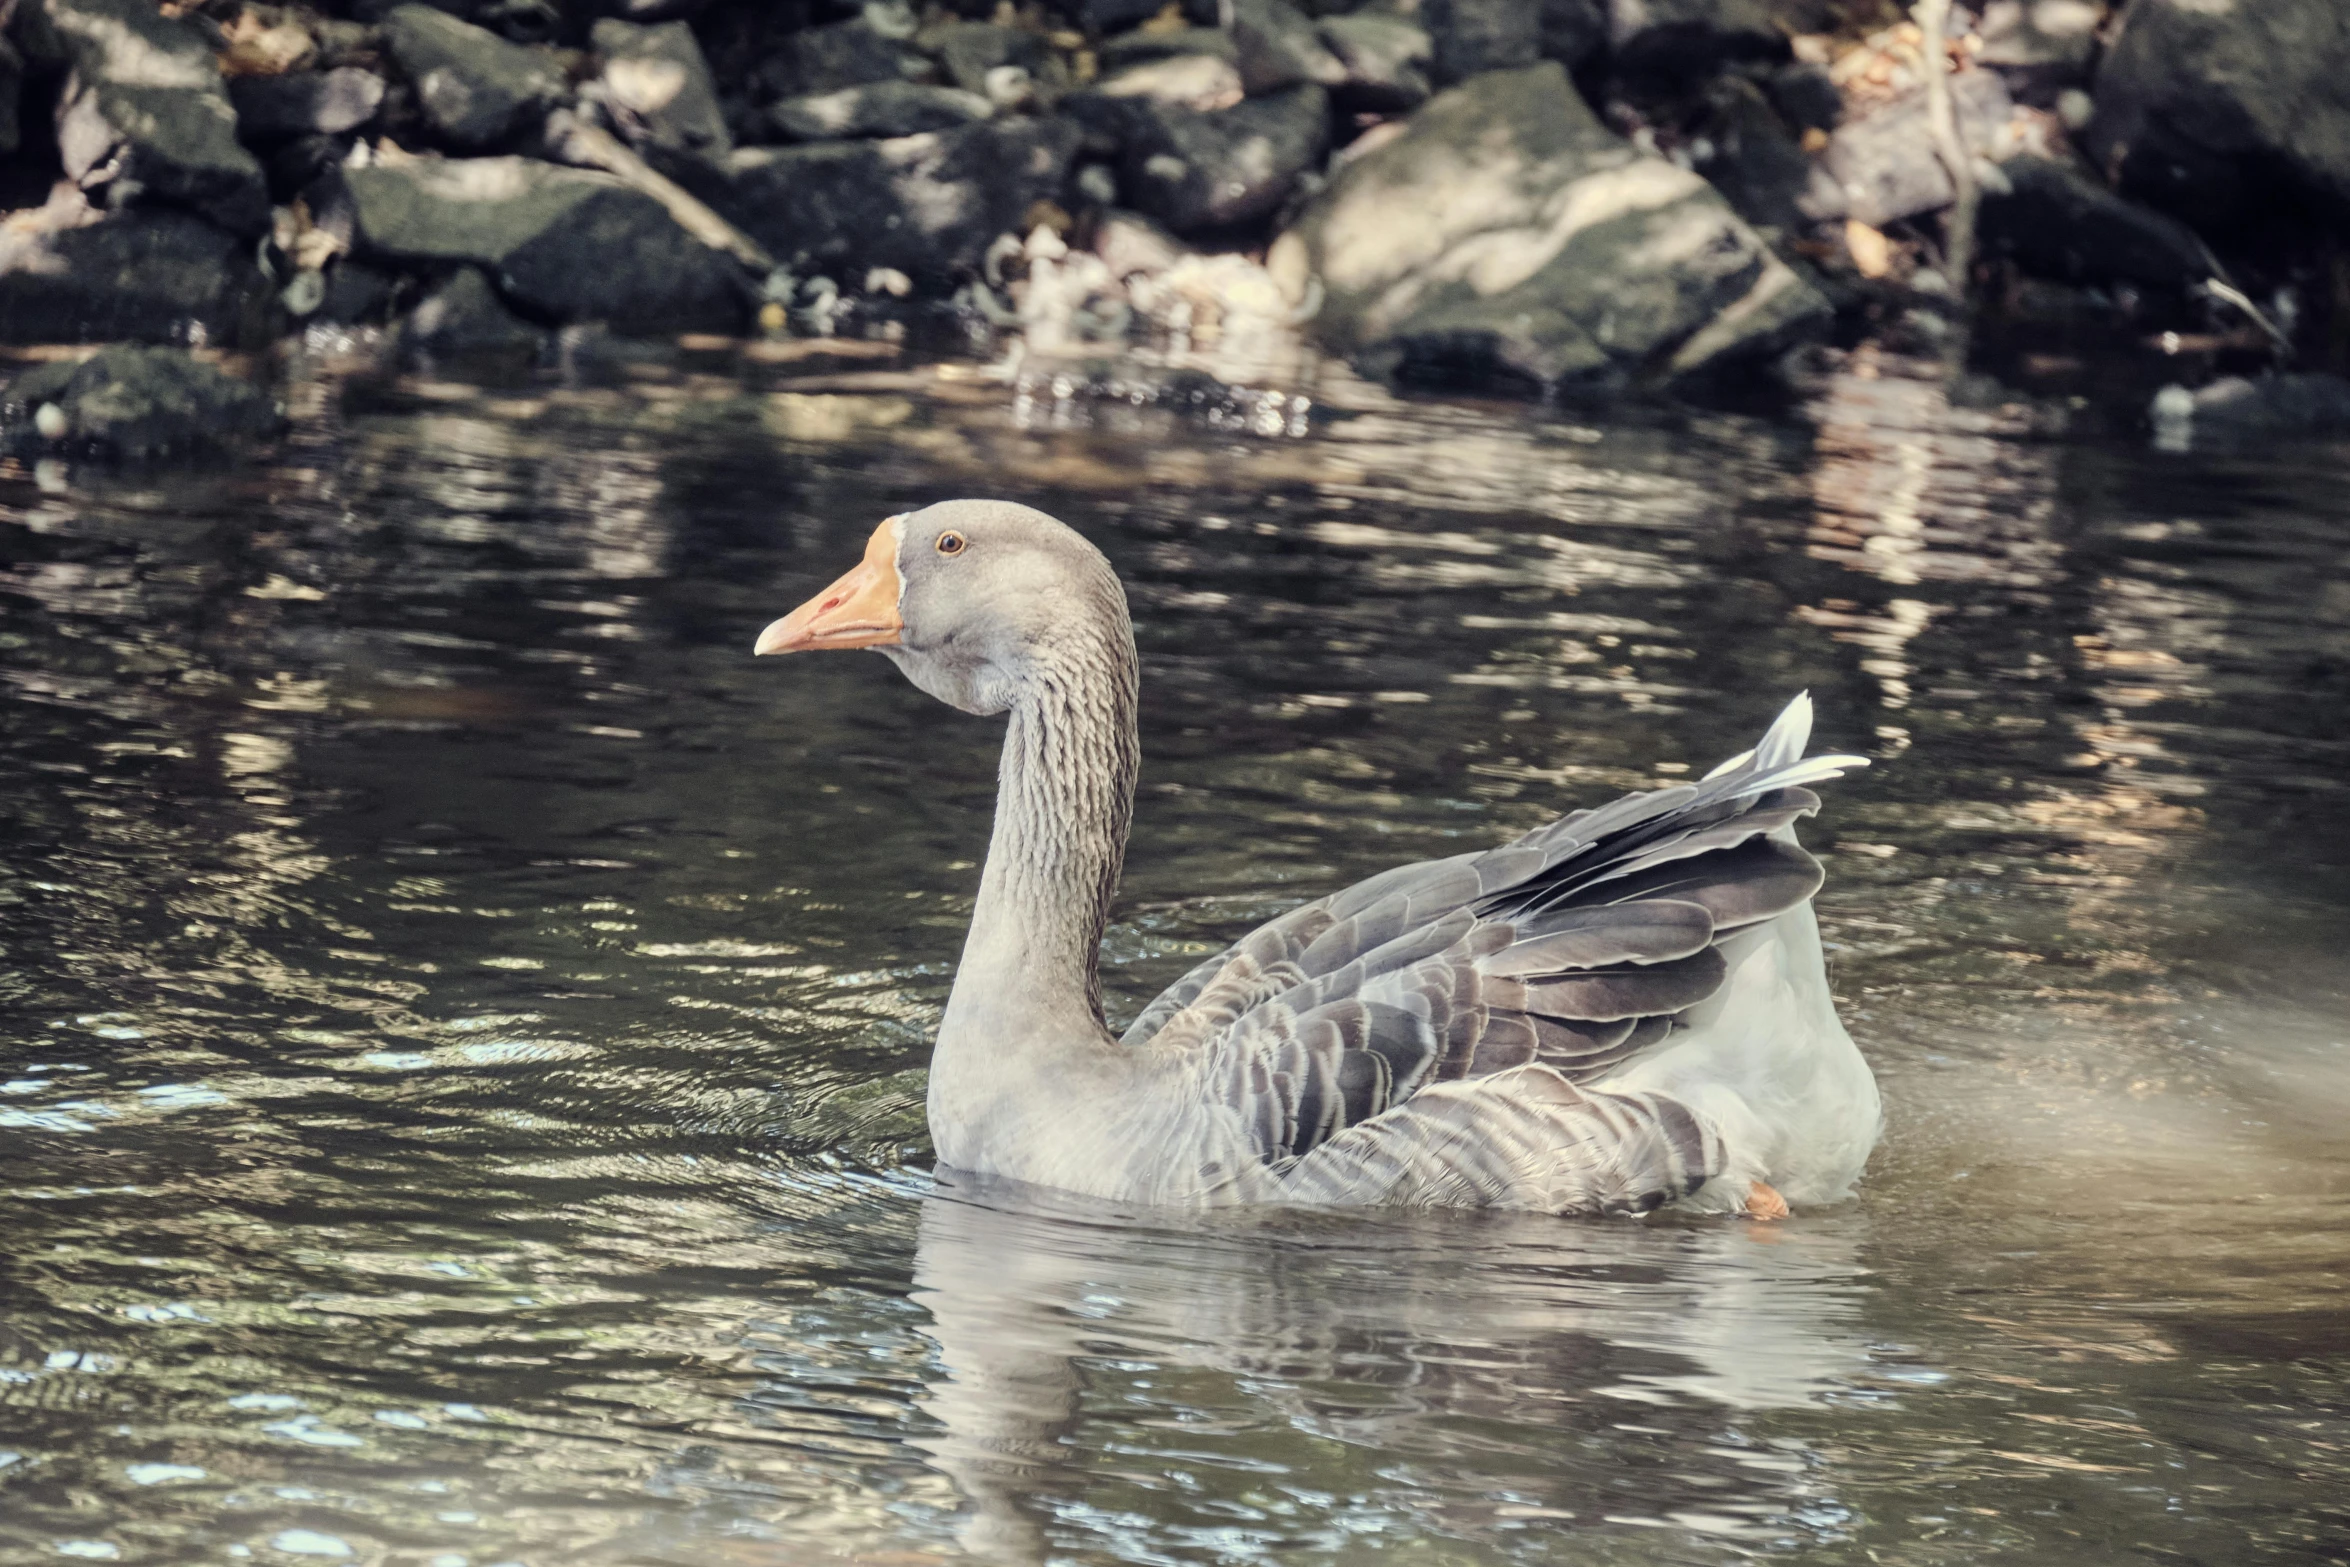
(1764, 1202)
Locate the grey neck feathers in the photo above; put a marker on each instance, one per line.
(1064, 803)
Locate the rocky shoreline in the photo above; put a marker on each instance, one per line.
(1562, 198)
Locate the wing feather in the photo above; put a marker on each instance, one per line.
(1525, 1138)
(1434, 1032)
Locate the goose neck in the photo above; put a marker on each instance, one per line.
(1065, 800)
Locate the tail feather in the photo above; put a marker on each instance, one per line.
(1789, 733)
(1778, 762)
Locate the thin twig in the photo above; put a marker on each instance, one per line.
(576, 142)
(1933, 17)
(2228, 293)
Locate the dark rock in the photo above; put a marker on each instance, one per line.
(657, 88)
(1683, 41)
(11, 95)
(1386, 59)
(146, 276)
(1574, 32)
(647, 12)
(2215, 111)
(1134, 48)
(1542, 251)
(878, 109)
(967, 51)
(306, 103)
(625, 262)
(1806, 96)
(927, 205)
(134, 403)
(296, 165)
(1195, 171)
(1481, 35)
(1882, 167)
(565, 244)
(520, 21)
(465, 317)
(2052, 42)
(1189, 81)
(826, 59)
(2236, 409)
(2056, 221)
(476, 89)
(1752, 157)
(356, 294)
(1278, 47)
(145, 114)
(1102, 17)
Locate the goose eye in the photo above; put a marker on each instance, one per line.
(950, 543)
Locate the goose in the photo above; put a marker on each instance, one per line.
(1622, 1012)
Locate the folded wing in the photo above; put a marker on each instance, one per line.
(1435, 1029)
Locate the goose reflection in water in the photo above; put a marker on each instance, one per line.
(1483, 1376)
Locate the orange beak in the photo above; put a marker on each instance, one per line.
(860, 610)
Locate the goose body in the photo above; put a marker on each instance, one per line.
(1622, 1011)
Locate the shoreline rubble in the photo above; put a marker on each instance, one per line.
(1575, 199)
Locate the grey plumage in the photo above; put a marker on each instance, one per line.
(1497, 1028)
(1529, 969)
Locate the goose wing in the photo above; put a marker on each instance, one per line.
(1420, 1035)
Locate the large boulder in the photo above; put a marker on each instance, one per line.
(657, 88)
(1195, 171)
(2214, 110)
(2057, 221)
(563, 244)
(1542, 251)
(151, 276)
(130, 402)
(476, 89)
(926, 205)
(145, 114)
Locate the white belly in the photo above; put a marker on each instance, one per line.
(1767, 1061)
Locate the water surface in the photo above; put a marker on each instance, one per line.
(461, 1020)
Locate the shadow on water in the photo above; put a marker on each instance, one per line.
(461, 1094)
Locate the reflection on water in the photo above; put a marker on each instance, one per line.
(1477, 1380)
(460, 1095)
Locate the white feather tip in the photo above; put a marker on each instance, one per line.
(1789, 733)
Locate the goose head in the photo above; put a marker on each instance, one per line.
(974, 601)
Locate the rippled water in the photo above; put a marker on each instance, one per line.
(463, 1019)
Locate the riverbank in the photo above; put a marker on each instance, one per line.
(1568, 199)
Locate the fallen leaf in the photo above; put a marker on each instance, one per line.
(1872, 253)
